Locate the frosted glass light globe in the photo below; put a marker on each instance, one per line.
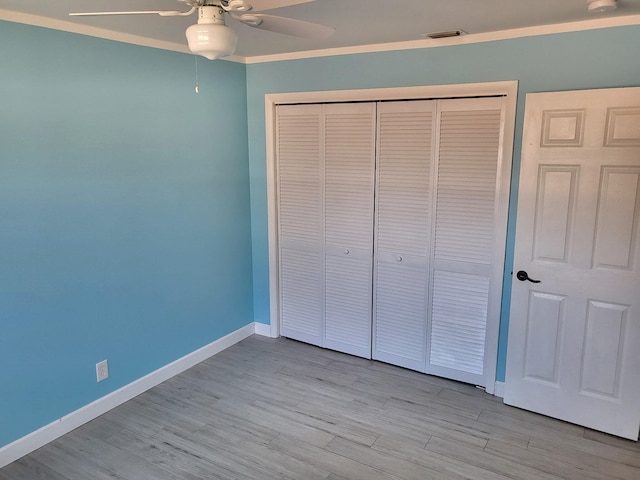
(212, 40)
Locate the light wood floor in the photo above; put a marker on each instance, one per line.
(273, 409)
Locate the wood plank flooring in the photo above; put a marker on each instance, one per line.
(278, 409)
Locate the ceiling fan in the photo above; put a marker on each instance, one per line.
(212, 38)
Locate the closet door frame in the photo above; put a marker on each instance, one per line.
(506, 89)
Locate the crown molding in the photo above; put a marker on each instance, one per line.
(593, 24)
(54, 24)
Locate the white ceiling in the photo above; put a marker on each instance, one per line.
(357, 22)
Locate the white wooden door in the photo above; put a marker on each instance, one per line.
(440, 226)
(406, 132)
(300, 151)
(574, 338)
(325, 172)
(440, 223)
(468, 232)
(349, 157)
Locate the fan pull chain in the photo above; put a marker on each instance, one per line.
(197, 87)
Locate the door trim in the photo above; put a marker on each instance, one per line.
(507, 89)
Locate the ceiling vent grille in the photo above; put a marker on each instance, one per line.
(447, 34)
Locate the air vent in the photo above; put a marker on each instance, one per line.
(448, 34)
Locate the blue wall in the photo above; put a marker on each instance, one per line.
(571, 61)
(124, 216)
(126, 230)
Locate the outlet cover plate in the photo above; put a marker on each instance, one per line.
(102, 370)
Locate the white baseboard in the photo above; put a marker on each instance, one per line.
(263, 329)
(499, 390)
(27, 444)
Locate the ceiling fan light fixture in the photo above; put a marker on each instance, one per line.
(595, 6)
(211, 37)
(212, 40)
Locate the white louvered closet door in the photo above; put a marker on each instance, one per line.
(349, 158)
(403, 231)
(299, 151)
(464, 292)
(426, 299)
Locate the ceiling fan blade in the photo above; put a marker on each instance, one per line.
(287, 26)
(162, 13)
(262, 5)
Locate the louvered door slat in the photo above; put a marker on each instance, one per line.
(400, 314)
(348, 304)
(301, 295)
(404, 168)
(458, 321)
(348, 175)
(299, 155)
(464, 237)
(403, 231)
(349, 143)
(467, 167)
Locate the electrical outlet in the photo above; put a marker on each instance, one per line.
(102, 370)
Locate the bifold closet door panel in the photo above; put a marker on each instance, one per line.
(349, 160)
(464, 254)
(403, 231)
(299, 153)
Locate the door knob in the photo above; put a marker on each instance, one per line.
(522, 276)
